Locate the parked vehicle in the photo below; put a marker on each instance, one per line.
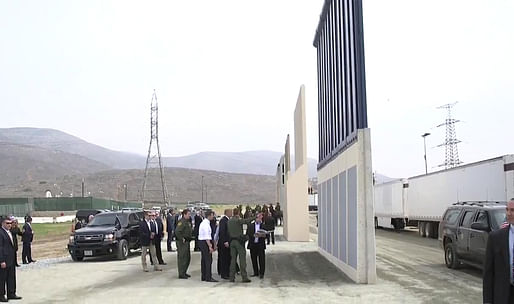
(109, 233)
(464, 230)
(82, 217)
(422, 200)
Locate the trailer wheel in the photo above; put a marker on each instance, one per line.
(428, 230)
(422, 228)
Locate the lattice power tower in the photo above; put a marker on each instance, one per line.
(451, 141)
(154, 185)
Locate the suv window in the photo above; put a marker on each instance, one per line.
(466, 220)
(451, 216)
(133, 219)
(482, 218)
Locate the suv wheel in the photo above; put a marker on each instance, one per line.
(450, 256)
(123, 250)
(76, 258)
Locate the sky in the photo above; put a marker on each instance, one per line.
(227, 74)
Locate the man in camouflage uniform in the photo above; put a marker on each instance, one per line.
(184, 235)
(237, 241)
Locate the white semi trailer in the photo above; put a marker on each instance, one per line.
(390, 204)
(426, 197)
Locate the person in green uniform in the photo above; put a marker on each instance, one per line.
(184, 235)
(237, 241)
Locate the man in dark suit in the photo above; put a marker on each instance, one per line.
(147, 232)
(27, 238)
(7, 262)
(257, 246)
(196, 229)
(158, 238)
(170, 229)
(224, 246)
(498, 280)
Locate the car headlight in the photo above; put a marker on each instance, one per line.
(72, 239)
(109, 237)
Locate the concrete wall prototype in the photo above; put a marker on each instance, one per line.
(346, 234)
(296, 209)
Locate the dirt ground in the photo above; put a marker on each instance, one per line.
(410, 270)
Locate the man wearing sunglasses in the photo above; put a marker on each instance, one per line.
(7, 262)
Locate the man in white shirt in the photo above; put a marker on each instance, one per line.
(206, 246)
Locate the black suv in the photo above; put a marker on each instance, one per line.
(464, 230)
(110, 233)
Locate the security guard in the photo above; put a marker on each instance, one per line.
(184, 235)
(237, 241)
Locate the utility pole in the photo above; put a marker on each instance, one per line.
(202, 188)
(425, 144)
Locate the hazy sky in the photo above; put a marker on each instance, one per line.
(227, 74)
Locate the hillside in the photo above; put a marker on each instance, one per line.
(55, 140)
(183, 184)
(20, 163)
(252, 162)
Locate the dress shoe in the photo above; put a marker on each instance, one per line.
(246, 280)
(158, 269)
(187, 275)
(183, 277)
(261, 276)
(3, 299)
(225, 278)
(18, 265)
(13, 297)
(33, 261)
(24, 263)
(203, 280)
(254, 275)
(163, 263)
(212, 280)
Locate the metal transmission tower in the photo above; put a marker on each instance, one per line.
(153, 162)
(450, 144)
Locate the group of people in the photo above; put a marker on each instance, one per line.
(226, 237)
(9, 253)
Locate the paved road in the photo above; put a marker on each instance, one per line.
(417, 264)
(410, 270)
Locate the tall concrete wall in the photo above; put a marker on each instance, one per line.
(346, 235)
(296, 215)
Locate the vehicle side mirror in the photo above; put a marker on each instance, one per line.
(480, 226)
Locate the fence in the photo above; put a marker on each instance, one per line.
(22, 206)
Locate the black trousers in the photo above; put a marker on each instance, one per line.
(170, 239)
(26, 253)
(511, 296)
(158, 252)
(224, 261)
(258, 261)
(8, 277)
(272, 235)
(206, 261)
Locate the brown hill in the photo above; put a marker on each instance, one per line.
(183, 185)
